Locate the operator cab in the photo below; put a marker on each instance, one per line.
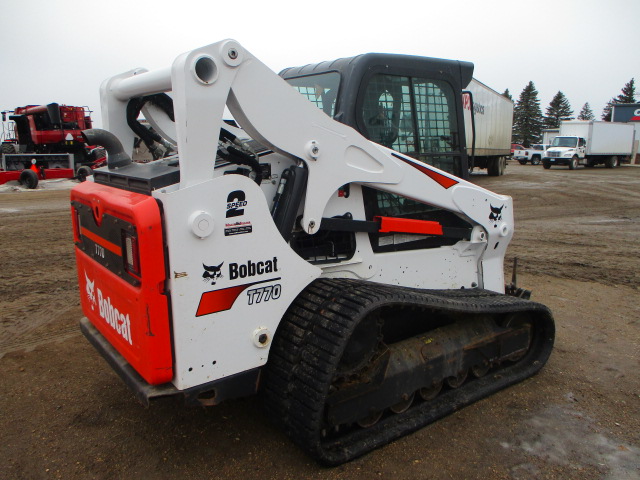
(410, 104)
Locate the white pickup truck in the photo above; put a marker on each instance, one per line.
(532, 154)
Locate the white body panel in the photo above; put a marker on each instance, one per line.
(493, 119)
(549, 134)
(603, 138)
(214, 345)
(211, 344)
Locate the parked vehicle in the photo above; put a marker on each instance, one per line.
(516, 146)
(548, 134)
(590, 143)
(493, 119)
(45, 141)
(531, 155)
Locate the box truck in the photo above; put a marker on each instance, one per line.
(548, 134)
(590, 143)
(492, 122)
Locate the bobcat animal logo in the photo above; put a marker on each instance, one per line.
(496, 213)
(212, 273)
(90, 288)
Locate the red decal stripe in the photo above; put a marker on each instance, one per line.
(222, 300)
(408, 225)
(112, 247)
(442, 180)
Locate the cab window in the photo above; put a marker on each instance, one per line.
(414, 116)
(321, 90)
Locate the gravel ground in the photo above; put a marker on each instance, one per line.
(65, 414)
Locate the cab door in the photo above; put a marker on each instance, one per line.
(415, 116)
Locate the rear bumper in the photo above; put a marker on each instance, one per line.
(143, 391)
(242, 384)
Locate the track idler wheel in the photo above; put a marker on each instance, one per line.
(455, 382)
(480, 370)
(370, 420)
(429, 393)
(404, 404)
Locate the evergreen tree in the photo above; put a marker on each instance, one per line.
(627, 95)
(586, 113)
(527, 117)
(606, 111)
(507, 94)
(559, 109)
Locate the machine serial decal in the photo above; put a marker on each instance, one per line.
(212, 273)
(221, 300)
(117, 320)
(439, 178)
(237, 228)
(496, 214)
(235, 201)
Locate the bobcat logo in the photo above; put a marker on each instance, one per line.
(211, 273)
(90, 288)
(496, 213)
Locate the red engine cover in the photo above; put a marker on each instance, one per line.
(131, 311)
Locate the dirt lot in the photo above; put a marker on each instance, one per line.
(65, 414)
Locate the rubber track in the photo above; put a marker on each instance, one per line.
(314, 332)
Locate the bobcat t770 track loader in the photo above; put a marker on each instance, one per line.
(359, 289)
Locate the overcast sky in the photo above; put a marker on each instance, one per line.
(60, 51)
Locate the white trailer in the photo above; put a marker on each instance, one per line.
(492, 123)
(591, 143)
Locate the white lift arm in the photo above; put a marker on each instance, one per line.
(206, 79)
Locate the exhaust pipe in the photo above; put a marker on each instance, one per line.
(116, 156)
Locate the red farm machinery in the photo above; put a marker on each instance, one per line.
(45, 142)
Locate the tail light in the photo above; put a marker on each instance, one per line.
(77, 226)
(131, 254)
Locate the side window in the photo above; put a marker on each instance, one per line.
(437, 124)
(387, 113)
(414, 116)
(321, 90)
(581, 142)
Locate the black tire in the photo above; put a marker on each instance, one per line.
(535, 160)
(611, 162)
(495, 166)
(546, 165)
(573, 164)
(83, 172)
(29, 179)
(522, 162)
